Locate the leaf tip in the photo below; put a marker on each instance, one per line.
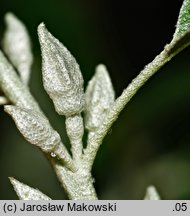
(41, 27)
(183, 22)
(42, 32)
(151, 193)
(24, 192)
(12, 180)
(17, 46)
(9, 17)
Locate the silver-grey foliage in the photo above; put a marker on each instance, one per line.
(61, 75)
(17, 46)
(100, 97)
(183, 23)
(151, 193)
(63, 82)
(35, 128)
(24, 192)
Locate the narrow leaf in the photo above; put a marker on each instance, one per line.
(183, 23)
(13, 88)
(100, 97)
(17, 46)
(151, 194)
(61, 75)
(24, 192)
(37, 130)
(34, 127)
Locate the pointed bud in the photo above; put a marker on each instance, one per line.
(151, 194)
(100, 97)
(61, 75)
(16, 44)
(24, 192)
(35, 128)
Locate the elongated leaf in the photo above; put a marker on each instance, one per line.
(34, 127)
(37, 130)
(100, 97)
(61, 75)
(151, 194)
(13, 88)
(183, 23)
(24, 192)
(16, 44)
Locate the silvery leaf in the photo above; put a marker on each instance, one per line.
(13, 88)
(183, 22)
(100, 97)
(17, 46)
(61, 75)
(151, 194)
(24, 192)
(34, 127)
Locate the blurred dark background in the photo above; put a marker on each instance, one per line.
(150, 142)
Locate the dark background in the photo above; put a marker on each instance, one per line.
(150, 142)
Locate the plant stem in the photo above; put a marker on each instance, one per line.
(63, 155)
(75, 130)
(169, 51)
(78, 185)
(18, 94)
